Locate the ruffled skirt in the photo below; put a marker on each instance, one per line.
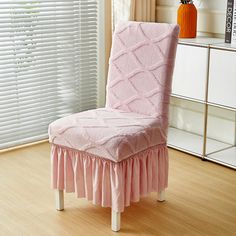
(108, 183)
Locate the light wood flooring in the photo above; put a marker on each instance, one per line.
(201, 200)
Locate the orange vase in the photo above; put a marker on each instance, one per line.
(187, 20)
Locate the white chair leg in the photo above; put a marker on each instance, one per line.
(161, 196)
(115, 221)
(59, 200)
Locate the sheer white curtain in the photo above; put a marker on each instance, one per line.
(136, 10)
(48, 64)
(121, 10)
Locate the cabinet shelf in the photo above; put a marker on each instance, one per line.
(187, 98)
(193, 143)
(203, 107)
(202, 41)
(221, 106)
(226, 157)
(202, 102)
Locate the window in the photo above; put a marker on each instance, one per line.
(48, 64)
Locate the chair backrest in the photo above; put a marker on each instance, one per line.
(141, 67)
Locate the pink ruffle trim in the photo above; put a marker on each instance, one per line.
(107, 183)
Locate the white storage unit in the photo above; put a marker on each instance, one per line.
(203, 103)
(186, 125)
(191, 72)
(222, 78)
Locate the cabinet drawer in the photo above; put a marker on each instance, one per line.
(222, 78)
(189, 78)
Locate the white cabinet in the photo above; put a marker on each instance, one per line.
(190, 74)
(203, 103)
(222, 78)
(183, 131)
(221, 127)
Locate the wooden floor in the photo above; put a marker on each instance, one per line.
(201, 200)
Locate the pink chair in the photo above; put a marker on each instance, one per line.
(115, 155)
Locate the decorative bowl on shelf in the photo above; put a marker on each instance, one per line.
(187, 19)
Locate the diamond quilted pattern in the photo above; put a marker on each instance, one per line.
(109, 133)
(145, 60)
(152, 31)
(138, 89)
(130, 36)
(152, 51)
(138, 79)
(126, 63)
(122, 90)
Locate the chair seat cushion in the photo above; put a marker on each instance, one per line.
(108, 133)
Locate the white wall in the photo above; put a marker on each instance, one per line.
(211, 15)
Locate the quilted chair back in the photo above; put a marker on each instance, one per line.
(141, 67)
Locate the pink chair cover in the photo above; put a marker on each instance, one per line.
(116, 154)
(141, 67)
(112, 134)
(107, 183)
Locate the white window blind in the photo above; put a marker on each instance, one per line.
(48, 64)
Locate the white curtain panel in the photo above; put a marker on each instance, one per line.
(48, 64)
(135, 10)
(121, 11)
